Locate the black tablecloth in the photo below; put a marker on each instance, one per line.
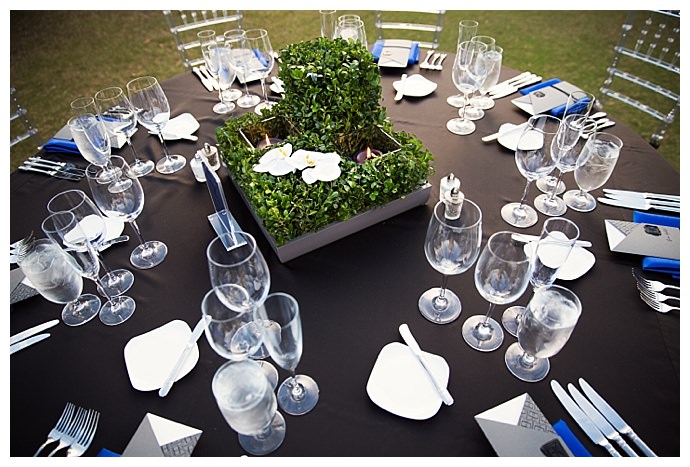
(353, 293)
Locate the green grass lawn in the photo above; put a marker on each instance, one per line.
(56, 56)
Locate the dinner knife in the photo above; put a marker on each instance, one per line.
(27, 342)
(613, 417)
(414, 346)
(585, 423)
(212, 81)
(535, 238)
(510, 89)
(34, 330)
(53, 173)
(639, 194)
(401, 89)
(512, 80)
(203, 79)
(599, 420)
(196, 334)
(640, 204)
(659, 202)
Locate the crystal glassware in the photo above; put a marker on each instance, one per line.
(328, 19)
(469, 71)
(473, 111)
(494, 56)
(467, 29)
(242, 59)
(218, 63)
(260, 44)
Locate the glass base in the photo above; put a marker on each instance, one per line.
(537, 371)
(460, 126)
(117, 282)
(577, 202)
(448, 314)
(293, 406)
(170, 164)
(231, 94)
(511, 319)
(117, 310)
(263, 106)
(267, 442)
(474, 113)
(550, 207)
(148, 255)
(140, 168)
(546, 184)
(248, 100)
(82, 310)
(482, 102)
(519, 217)
(223, 107)
(457, 100)
(482, 336)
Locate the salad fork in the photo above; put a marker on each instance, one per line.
(62, 424)
(656, 296)
(654, 286)
(439, 66)
(84, 438)
(658, 306)
(425, 63)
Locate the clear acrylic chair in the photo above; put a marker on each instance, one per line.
(21, 127)
(645, 70)
(184, 25)
(422, 26)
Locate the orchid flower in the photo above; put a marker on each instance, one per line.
(316, 165)
(276, 161)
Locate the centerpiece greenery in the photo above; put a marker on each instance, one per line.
(331, 104)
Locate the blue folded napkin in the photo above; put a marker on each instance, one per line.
(61, 145)
(378, 47)
(570, 440)
(543, 84)
(579, 105)
(652, 263)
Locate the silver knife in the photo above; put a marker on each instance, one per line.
(510, 89)
(27, 342)
(654, 202)
(203, 79)
(599, 420)
(613, 417)
(170, 380)
(639, 194)
(53, 173)
(212, 81)
(585, 423)
(640, 204)
(34, 330)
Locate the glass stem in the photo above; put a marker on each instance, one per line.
(464, 105)
(552, 193)
(135, 227)
(263, 88)
(165, 147)
(527, 360)
(524, 194)
(296, 389)
(134, 151)
(488, 313)
(440, 302)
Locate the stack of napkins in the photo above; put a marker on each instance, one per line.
(395, 53)
(549, 96)
(655, 263)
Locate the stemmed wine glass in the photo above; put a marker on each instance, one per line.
(501, 276)
(472, 111)
(545, 327)
(119, 118)
(467, 29)
(248, 404)
(565, 150)
(451, 247)
(58, 278)
(594, 167)
(351, 27)
(91, 219)
(242, 59)
(494, 56)
(218, 63)
(63, 228)
(298, 394)
(91, 137)
(533, 160)
(260, 44)
(469, 71)
(125, 204)
(153, 111)
(547, 256)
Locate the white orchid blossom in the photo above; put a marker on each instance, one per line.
(316, 165)
(276, 161)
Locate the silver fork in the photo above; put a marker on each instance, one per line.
(425, 63)
(656, 296)
(660, 307)
(84, 438)
(59, 428)
(69, 435)
(654, 286)
(439, 66)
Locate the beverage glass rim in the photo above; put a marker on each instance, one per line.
(217, 239)
(466, 227)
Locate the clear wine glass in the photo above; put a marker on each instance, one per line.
(565, 150)
(248, 404)
(467, 29)
(451, 247)
(494, 56)
(115, 282)
(218, 63)
(469, 71)
(119, 118)
(242, 59)
(58, 278)
(260, 44)
(351, 27)
(501, 276)
(547, 255)
(474, 112)
(578, 102)
(594, 167)
(91, 137)
(533, 160)
(64, 228)
(298, 394)
(126, 205)
(327, 23)
(153, 111)
(545, 327)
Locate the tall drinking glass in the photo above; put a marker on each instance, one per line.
(242, 60)
(219, 64)
(472, 111)
(260, 44)
(352, 29)
(467, 29)
(494, 56)
(327, 23)
(469, 71)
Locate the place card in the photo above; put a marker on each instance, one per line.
(159, 437)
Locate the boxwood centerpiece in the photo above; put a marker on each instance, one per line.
(331, 105)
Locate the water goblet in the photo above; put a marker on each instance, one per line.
(248, 404)
(474, 112)
(594, 167)
(260, 45)
(242, 59)
(58, 278)
(469, 71)
(467, 29)
(119, 117)
(219, 64)
(352, 29)
(83, 105)
(545, 327)
(153, 111)
(533, 160)
(282, 334)
(91, 137)
(327, 23)
(451, 247)
(547, 255)
(501, 276)
(125, 204)
(494, 56)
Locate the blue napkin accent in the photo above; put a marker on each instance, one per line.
(570, 440)
(543, 84)
(378, 47)
(262, 58)
(61, 145)
(107, 453)
(652, 263)
(581, 104)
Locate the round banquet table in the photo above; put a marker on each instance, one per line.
(353, 294)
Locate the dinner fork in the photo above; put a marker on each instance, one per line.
(68, 436)
(658, 306)
(425, 63)
(654, 286)
(656, 296)
(84, 438)
(62, 424)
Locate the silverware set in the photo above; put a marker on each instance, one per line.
(511, 85)
(63, 170)
(641, 201)
(74, 430)
(433, 61)
(650, 293)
